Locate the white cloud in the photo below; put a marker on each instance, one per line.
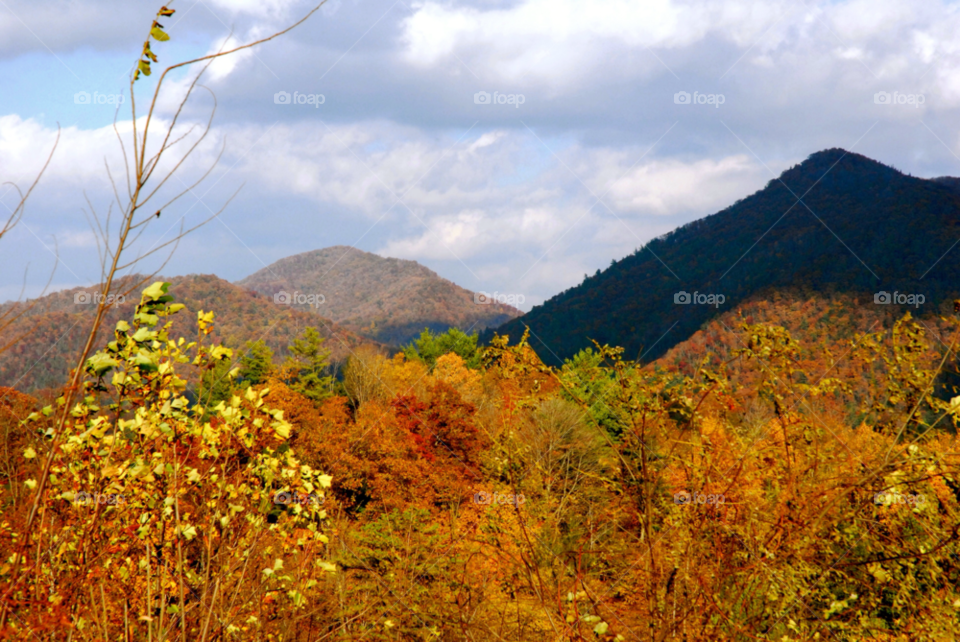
(669, 187)
(81, 156)
(560, 40)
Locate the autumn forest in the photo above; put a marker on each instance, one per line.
(344, 446)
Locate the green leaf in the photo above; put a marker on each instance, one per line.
(100, 363)
(145, 361)
(159, 34)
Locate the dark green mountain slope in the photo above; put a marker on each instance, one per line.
(838, 222)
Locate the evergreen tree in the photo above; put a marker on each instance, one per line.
(216, 385)
(307, 365)
(256, 364)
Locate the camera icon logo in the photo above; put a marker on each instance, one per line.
(682, 298)
(682, 98)
(881, 98)
(282, 298)
(82, 498)
(483, 498)
(481, 98)
(683, 497)
(82, 298)
(283, 498)
(481, 298)
(81, 98)
(281, 98)
(882, 298)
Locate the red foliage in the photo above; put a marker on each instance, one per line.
(443, 428)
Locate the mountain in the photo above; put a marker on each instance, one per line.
(387, 300)
(837, 222)
(54, 327)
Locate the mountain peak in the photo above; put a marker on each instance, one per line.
(833, 154)
(838, 159)
(386, 299)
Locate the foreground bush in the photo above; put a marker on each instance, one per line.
(155, 523)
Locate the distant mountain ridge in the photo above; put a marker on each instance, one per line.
(859, 227)
(385, 299)
(55, 327)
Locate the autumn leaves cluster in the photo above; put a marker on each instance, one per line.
(398, 448)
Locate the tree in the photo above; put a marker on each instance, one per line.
(429, 347)
(256, 364)
(306, 367)
(363, 378)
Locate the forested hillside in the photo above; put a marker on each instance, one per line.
(49, 333)
(387, 300)
(838, 222)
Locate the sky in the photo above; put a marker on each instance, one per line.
(511, 146)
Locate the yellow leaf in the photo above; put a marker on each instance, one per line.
(328, 567)
(282, 429)
(158, 289)
(159, 34)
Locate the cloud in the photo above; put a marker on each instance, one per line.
(668, 187)
(560, 41)
(400, 158)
